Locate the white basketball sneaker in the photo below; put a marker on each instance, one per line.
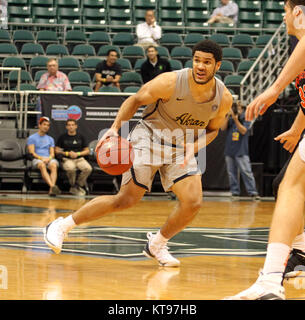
(54, 235)
(160, 253)
(265, 288)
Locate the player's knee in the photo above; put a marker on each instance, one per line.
(125, 202)
(192, 203)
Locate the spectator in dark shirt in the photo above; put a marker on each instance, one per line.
(154, 65)
(72, 147)
(108, 72)
(237, 151)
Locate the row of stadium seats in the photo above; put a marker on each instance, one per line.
(195, 13)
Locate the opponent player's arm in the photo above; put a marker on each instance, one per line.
(214, 125)
(161, 87)
(298, 125)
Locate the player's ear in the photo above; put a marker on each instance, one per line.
(297, 10)
(218, 64)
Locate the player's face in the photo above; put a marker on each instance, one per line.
(71, 127)
(288, 19)
(204, 67)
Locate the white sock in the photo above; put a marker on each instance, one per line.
(159, 240)
(68, 223)
(276, 259)
(299, 242)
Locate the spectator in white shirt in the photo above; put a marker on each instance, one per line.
(148, 32)
(226, 12)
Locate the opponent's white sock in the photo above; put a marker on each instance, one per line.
(299, 242)
(159, 240)
(276, 259)
(68, 223)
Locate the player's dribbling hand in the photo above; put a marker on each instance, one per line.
(289, 139)
(109, 133)
(260, 104)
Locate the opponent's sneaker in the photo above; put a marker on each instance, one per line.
(296, 264)
(265, 288)
(160, 253)
(54, 235)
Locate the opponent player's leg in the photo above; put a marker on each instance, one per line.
(286, 223)
(185, 211)
(128, 196)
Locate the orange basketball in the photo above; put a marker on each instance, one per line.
(115, 155)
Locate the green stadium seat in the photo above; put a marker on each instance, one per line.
(232, 54)
(170, 15)
(109, 89)
(130, 79)
(228, 29)
(120, 4)
(120, 16)
(250, 5)
(73, 38)
(22, 36)
(27, 87)
(98, 14)
(68, 3)
(79, 78)
(38, 75)
(96, 4)
(192, 38)
(69, 16)
(125, 64)
(57, 50)
(199, 5)
(250, 17)
(273, 18)
(255, 52)
(120, 25)
(47, 13)
(18, 2)
(139, 16)
(263, 40)
(245, 66)
(131, 89)
(8, 49)
(170, 26)
(181, 53)
(171, 40)
(83, 50)
(133, 53)
(99, 38)
(68, 64)
(188, 64)
(46, 37)
(84, 89)
(138, 64)
(213, 4)
(39, 3)
(14, 62)
(44, 20)
(221, 39)
(145, 4)
(5, 36)
(226, 68)
(175, 64)
(37, 63)
(32, 49)
(197, 27)
(163, 52)
(123, 39)
(193, 15)
(274, 6)
(25, 77)
(92, 24)
(170, 4)
(233, 82)
(103, 50)
(19, 11)
(89, 65)
(20, 20)
(250, 28)
(243, 42)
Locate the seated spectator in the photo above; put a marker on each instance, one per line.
(237, 151)
(41, 147)
(72, 146)
(53, 80)
(108, 72)
(148, 32)
(154, 65)
(227, 12)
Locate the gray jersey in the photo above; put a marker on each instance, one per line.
(181, 113)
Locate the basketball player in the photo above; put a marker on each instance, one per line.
(188, 99)
(288, 219)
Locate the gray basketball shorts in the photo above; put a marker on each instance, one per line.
(152, 156)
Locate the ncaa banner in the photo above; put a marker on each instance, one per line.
(92, 114)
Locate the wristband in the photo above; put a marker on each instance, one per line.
(50, 157)
(67, 154)
(39, 157)
(78, 153)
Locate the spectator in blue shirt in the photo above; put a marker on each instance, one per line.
(226, 12)
(41, 147)
(237, 151)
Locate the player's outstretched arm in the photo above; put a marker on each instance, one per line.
(294, 66)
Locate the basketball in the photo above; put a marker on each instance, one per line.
(115, 155)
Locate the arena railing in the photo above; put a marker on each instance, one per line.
(268, 68)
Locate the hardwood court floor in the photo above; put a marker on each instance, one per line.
(220, 252)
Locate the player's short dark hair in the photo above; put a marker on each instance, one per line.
(293, 3)
(210, 47)
(71, 120)
(111, 50)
